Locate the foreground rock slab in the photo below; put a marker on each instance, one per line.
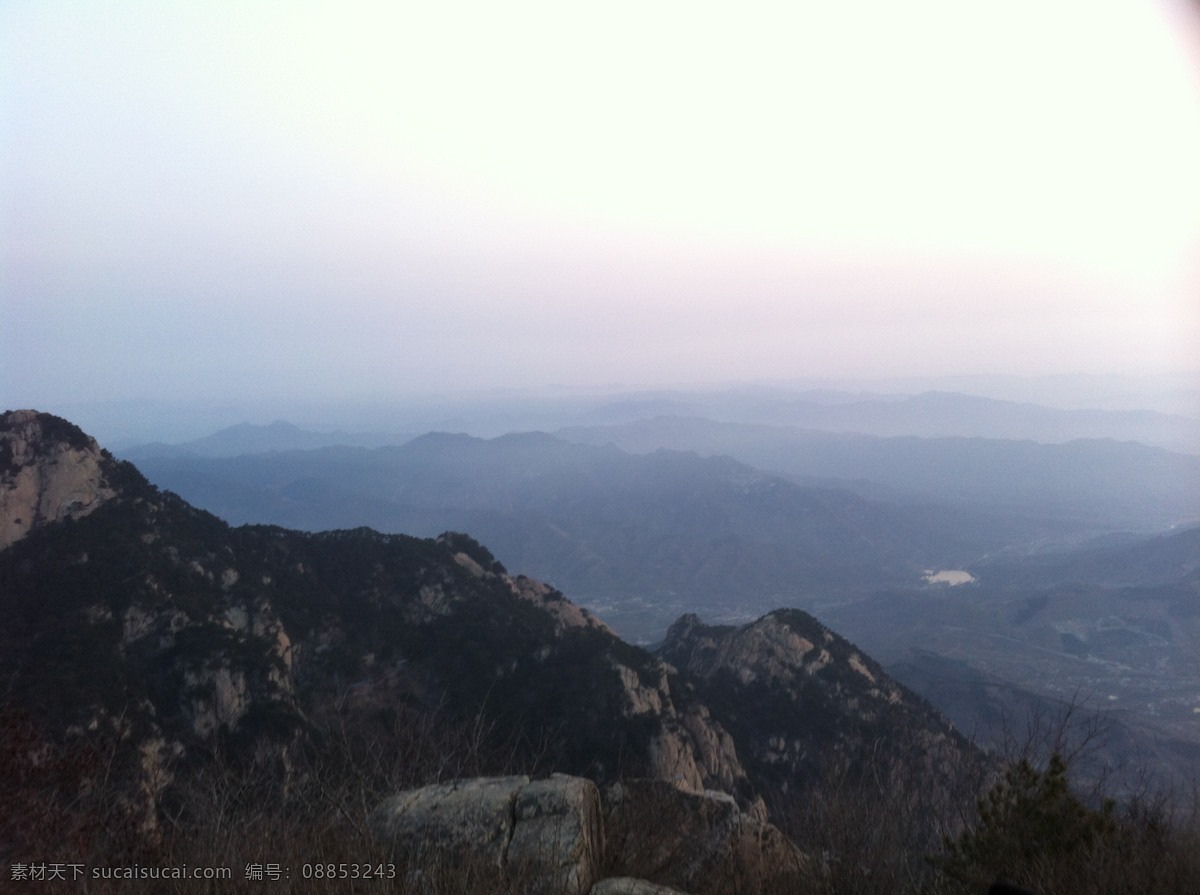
(543, 835)
(558, 837)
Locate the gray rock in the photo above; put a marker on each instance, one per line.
(543, 836)
(461, 819)
(558, 835)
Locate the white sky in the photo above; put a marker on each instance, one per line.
(278, 198)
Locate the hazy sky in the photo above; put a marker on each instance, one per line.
(272, 198)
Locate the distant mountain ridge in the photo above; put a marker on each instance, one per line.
(1121, 484)
(942, 414)
(248, 438)
(928, 414)
(676, 529)
(650, 535)
(924, 414)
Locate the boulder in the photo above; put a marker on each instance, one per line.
(558, 834)
(456, 821)
(541, 835)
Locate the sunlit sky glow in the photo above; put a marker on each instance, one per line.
(262, 198)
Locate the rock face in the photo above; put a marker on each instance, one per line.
(49, 471)
(695, 841)
(795, 696)
(545, 834)
(455, 820)
(696, 753)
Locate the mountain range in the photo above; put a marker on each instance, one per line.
(137, 619)
(1102, 480)
(1155, 414)
(662, 533)
(1073, 575)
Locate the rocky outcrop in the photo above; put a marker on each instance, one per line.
(796, 696)
(558, 833)
(49, 471)
(482, 564)
(545, 834)
(566, 614)
(696, 753)
(463, 818)
(651, 838)
(694, 841)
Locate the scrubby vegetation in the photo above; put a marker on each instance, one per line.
(1031, 822)
(1034, 829)
(300, 822)
(297, 822)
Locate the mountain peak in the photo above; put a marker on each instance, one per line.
(50, 470)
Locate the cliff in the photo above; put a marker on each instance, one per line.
(49, 471)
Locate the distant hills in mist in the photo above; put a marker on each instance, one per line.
(851, 508)
(929, 414)
(248, 438)
(607, 523)
(1163, 414)
(1118, 483)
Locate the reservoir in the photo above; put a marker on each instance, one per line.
(948, 576)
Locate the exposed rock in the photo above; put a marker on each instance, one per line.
(565, 613)
(464, 818)
(46, 476)
(689, 747)
(696, 753)
(222, 697)
(480, 562)
(770, 649)
(694, 841)
(794, 696)
(642, 698)
(156, 758)
(558, 833)
(546, 833)
(555, 836)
